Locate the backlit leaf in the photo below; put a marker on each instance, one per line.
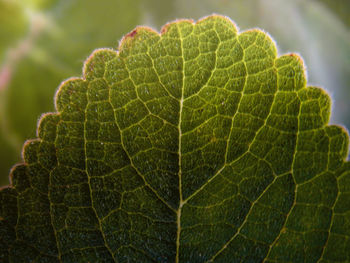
(61, 36)
(199, 144)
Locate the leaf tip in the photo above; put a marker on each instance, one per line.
(136, 38)
(12, 176)
(94, 65)
(222, 18)
(167, 26)
(138, 31)
(59, 103)
(132, 33)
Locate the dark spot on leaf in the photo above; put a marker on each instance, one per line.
(132, 33)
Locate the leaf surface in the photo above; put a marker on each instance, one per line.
(198, 144)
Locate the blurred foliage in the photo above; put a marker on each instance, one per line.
(13, 24)
(46, 41)
(39, 4)
(340, 8)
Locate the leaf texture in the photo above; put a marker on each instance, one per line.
(198, 144)
(55, 46)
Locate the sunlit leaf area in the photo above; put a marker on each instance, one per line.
(196, 144)
(43, 42)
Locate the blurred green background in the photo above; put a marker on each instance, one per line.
(43, 42)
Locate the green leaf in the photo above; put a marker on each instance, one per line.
(62, 36)
(198, 144)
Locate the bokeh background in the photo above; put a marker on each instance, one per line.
(43, 42)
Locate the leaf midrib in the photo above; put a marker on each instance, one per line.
(178, 220)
